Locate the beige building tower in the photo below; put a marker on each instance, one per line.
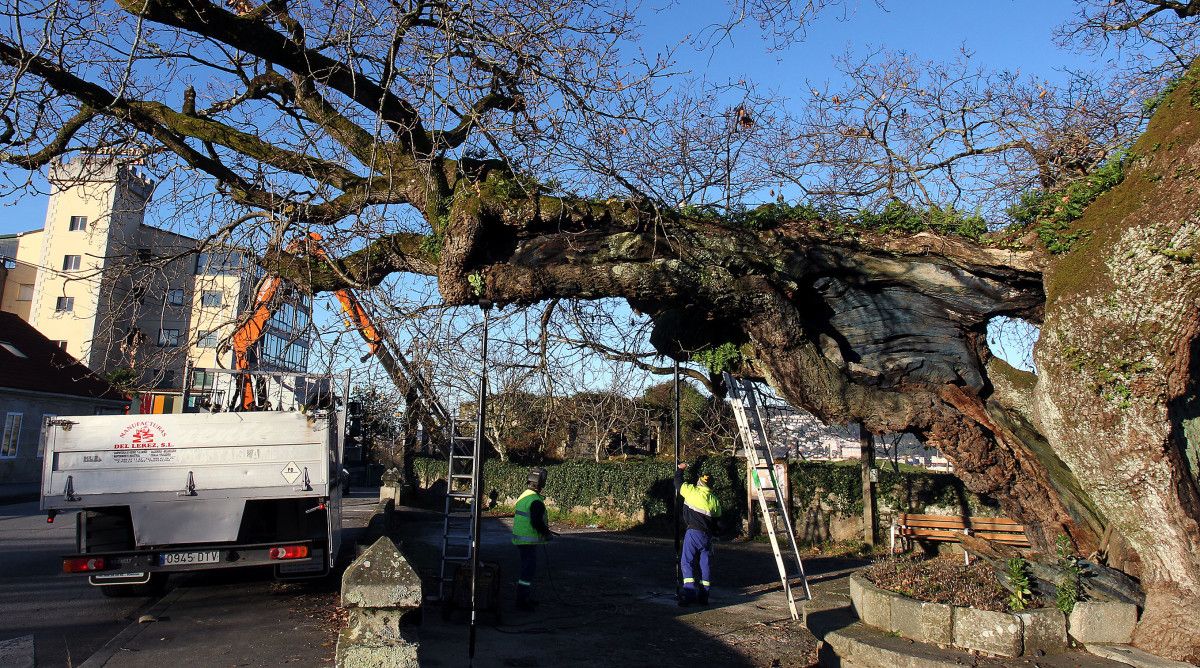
(133, 301)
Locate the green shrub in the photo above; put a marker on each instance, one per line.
(640, 488)
(1068, 588)
(901, 217)
(1019, 586)
(1051, 212)
(724, 357)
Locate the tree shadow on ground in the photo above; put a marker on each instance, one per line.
(607, 598)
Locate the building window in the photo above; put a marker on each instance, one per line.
(175, 297)
(210, 298)
(70, 262)
(64, 304)
(168, 378)
(283, 354)
(46, 418)
(201, 379)
(12, 435)
(168, 338)
(208, 339)
(60, 343)
(227, 262)
(78, 223)
(24, 292)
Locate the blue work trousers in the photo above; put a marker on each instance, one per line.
(697, 546)
(528, 568)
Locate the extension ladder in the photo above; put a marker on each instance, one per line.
(761, 467)
(459, 519)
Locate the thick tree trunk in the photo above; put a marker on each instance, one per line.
(1118, 358)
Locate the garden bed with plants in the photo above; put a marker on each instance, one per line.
(943, 579)
(1000, 604)
(946, 602)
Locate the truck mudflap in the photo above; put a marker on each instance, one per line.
(291, 559)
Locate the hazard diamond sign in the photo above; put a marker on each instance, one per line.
(291, 472)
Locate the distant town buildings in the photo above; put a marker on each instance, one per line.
(800, 435)
(134, 302)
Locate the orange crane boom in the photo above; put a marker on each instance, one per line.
(251, 331)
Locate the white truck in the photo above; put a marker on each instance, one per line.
(158, 494)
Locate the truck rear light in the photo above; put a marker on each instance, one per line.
(83, 564)
(289, 552)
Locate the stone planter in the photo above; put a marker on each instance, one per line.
(999, 633)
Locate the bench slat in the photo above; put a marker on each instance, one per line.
(915, 518)
(956, 536)
(949, 528)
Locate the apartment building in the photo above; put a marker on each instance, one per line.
(135, 302)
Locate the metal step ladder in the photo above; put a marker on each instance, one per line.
(775, 513)
(459, 519)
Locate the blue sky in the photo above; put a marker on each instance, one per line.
(1015, 35)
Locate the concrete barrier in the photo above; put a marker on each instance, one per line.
(998, 633)
(1103, 622)
(391, 486)
(383, 593)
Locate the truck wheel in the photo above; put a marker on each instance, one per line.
(112, 531)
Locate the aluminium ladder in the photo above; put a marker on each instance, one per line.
(459, 520)
(761, 467)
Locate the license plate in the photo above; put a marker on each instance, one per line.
(121, 576)
(184, 558)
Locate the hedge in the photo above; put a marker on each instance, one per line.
(641, 489)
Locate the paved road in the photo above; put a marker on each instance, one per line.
(67, 618)
(235, 618)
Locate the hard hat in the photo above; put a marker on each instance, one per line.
(537, 477)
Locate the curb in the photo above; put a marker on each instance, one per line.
(852, 649)
(101, 657)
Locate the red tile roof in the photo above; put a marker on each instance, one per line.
(45, 367)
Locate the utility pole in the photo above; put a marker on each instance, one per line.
(866, 447)
(675, 496)
(477, 482)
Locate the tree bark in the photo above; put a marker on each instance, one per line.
(1118, 361)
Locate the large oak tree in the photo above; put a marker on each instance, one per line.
(436, 137)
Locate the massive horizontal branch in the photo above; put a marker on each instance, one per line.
(251, 34)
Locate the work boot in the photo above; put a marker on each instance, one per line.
(702, 597)
(687, 597)
(525, 601)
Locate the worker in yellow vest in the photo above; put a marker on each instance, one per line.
(700, 512)
(530, 529)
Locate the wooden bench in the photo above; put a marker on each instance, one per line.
(951, 528)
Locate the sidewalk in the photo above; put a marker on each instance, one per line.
(608, 597)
